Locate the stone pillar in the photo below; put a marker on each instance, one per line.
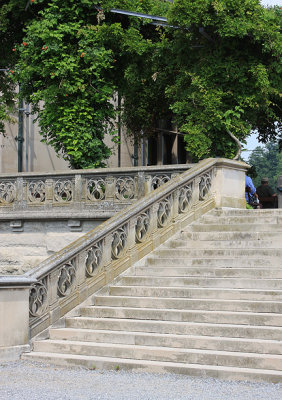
(110, 188)
(160, 149)
(229, 184)
(14, 316)
(174, 151)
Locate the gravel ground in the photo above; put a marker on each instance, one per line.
(23, 380)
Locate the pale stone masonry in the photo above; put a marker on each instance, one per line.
(202, 293)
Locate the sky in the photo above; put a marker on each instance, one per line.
(252, 142)
(271, 2)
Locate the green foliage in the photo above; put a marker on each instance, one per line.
(217, 70)
(63, 72)
(233, 81)
(267, 162)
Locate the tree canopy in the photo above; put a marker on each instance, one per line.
(267, 162)
(215, 68)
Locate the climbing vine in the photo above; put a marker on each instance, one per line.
(215, 68)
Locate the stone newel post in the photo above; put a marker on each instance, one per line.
(14, 316)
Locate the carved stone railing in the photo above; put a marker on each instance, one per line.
(67, 278)
(79, 191)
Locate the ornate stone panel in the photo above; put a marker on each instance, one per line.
(159, 180)
(164, 212)
(185, 198)
(63, 191)
(96, 189)
(119, 242)
(142, 226)
(66, 280)
(38, 302)
(125, 188)
(36, 192)
(205, 185)
(7, 192)
(93, 259)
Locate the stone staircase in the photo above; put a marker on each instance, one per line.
(208, 302)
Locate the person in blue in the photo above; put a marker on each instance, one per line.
(250, 192)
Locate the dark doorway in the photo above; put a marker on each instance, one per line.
(152, 151)
(182, 154)
(168, 141)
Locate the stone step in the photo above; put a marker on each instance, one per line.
(111, 363)
(195, 293)
(221, 317)
(226, 236)
(224, 244)
(207, 302)
(176, 281)
(235, 228)
(238, 252)
(192, 304)
(215, 261)
(167, 340)
(241, 219)
(157, 353)
(175, 327)
(227, 212)
(270, 273)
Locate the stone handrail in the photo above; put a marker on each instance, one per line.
(71, 275)
(80, 191)
(67, 278)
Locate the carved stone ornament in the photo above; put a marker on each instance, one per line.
(119, 242)
(164, 212)
(205, 185)
(159, 180)
(36, 192)
(63, 191)
(66, 280)
(93, 259)
(125, 188)
(96, 189)
(142, 227)
(7, 192)
(185, 198)
(38, 299)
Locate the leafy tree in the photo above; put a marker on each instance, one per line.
(231, 83)
(14, 16)
(267, 162)
(216, 72)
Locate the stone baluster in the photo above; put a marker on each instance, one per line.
(19, 204)
(131, 240)
(107, 257)
(49, 193)
(147, 184)
(140, 185)
(110, 188)
(78, 191)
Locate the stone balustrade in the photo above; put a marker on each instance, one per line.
(69, 277)
(80, 191)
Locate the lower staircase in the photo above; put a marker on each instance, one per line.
(207, 302)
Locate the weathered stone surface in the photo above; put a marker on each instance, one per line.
(220, 318)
